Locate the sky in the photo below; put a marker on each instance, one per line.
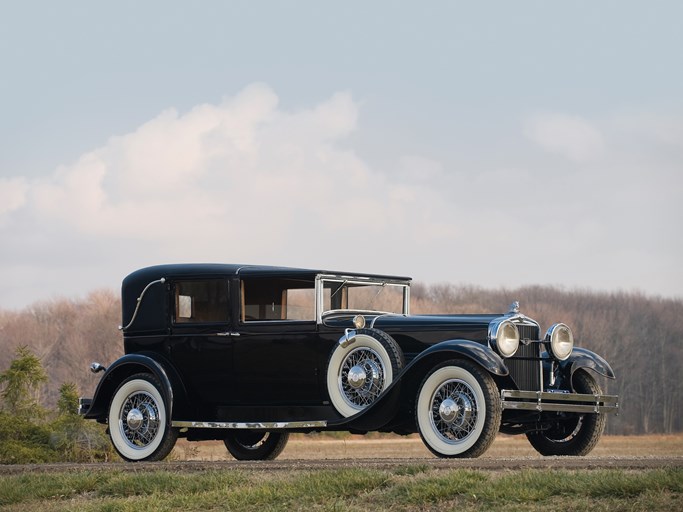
(495, 144)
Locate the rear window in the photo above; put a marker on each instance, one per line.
(201, 301)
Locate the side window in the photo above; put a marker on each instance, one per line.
(277, 299)
(201, 301)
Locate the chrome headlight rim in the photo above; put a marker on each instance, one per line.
(560, 338)
(505, 338)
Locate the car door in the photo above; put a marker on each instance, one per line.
(278, 357)
(202, 344)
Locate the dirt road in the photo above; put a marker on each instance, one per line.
(304, 453)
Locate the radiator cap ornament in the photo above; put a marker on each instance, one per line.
(514, 307)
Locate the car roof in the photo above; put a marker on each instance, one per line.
(187, 270)
(145, 281)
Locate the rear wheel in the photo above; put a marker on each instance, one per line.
(138, 420)
(458, 410)
(572, 434)
(248, 445)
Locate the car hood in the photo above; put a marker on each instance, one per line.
(468, 326)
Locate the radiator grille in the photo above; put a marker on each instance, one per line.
(524, 366)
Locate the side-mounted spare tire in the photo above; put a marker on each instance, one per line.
(139, 426)
(358, 373)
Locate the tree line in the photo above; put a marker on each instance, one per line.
(640, 336)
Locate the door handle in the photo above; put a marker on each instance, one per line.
(227, 334)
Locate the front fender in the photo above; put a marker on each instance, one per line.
(383, 410)
(123, 368)
(480, 354)
(582, 358)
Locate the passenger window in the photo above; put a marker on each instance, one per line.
(277, 299)
(201, 301)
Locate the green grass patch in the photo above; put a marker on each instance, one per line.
(406, 488)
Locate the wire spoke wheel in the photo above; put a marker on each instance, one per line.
(362, 377)
(571, 434)
(454, 410)
(359, 371)
(458, 410)
(138, 420)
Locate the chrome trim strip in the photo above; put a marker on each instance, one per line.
(545, 401)
(251, 425)
(385, 314)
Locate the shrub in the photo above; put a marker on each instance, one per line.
(27, 436)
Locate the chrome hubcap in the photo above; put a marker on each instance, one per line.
(357, 377)
(134, 419)
(448, 410)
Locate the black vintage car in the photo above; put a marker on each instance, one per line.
(247, 354)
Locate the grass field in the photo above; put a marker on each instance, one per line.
(413, 486)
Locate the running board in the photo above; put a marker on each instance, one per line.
(282, 425)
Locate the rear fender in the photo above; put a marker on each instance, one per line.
(123, 368)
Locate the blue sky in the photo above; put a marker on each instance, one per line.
(489, 143)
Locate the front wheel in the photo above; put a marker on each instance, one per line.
(247, 445)
(572, 434)
(138, 420)
(458, 410)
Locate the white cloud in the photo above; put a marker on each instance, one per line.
(245, 180)
(235, 166)
(239, 180)
(571, 136)
(12, 194)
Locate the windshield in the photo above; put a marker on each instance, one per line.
(355, 294)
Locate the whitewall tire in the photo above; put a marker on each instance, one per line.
(458, 410)
(138, 422)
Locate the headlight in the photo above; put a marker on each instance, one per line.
(561, 341)
(505, 339)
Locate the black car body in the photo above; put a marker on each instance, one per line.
(247, 354)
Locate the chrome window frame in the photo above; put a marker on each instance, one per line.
(321, 279)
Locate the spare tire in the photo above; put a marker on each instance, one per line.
(358, 373)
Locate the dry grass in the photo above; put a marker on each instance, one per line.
(411, 447)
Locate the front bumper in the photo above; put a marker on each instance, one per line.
(568, 402)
